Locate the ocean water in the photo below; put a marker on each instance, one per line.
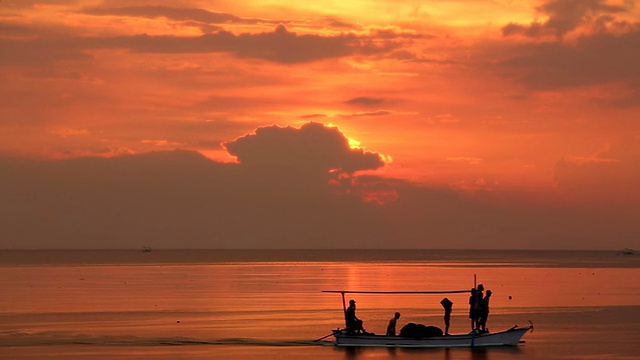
(213, 304)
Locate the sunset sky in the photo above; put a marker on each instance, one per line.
(362, 123)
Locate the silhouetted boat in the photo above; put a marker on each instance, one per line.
(509, 337)
(627, 251)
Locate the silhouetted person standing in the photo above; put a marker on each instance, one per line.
(472, 312)
(448, 306)
(391, 328)
(485, 311)
(477, 306)
(354, 325)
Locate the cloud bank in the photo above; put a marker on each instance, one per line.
(291, 188)
(280, 46)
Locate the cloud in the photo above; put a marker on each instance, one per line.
(180, 199)
(31, 3)
(365, 101)
(281, 46)
(39, 52)
(395, 34)
(314, 149)
(335, 22)
(160, 142)
(313, 116)
(371, 189)
(471, 160)
(176, 13)
(564, 16)
(15, 30)
(601, 51)
(597, 59)
(366, 114)
(69, 132)
(610, 177)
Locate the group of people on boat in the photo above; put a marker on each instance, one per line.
(478, 313)
(479, 308)
(355, 325)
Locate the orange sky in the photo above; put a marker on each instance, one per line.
(516, 103)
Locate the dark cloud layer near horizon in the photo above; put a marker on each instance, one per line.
(180, 199)
(279, 45)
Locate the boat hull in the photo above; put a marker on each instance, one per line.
(509, 337)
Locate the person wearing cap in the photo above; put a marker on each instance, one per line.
(354, 325)
(391, 328)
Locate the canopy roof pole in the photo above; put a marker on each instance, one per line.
(342, 292)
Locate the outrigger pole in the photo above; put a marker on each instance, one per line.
(344, 304)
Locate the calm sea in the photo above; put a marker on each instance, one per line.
(213, 304)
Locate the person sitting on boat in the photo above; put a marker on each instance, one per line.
(485, 311)
(391, 328)
(354, 325)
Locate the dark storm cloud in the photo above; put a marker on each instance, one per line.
(564, 16)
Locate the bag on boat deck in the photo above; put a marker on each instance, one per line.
(419, 331)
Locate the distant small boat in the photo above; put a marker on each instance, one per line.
(509, 337)
(146, 249)
(627, 251)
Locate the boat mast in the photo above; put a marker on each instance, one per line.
(344, 309)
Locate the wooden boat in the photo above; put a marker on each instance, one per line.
(509, 337)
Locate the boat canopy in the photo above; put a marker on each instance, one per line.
(344, 304)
